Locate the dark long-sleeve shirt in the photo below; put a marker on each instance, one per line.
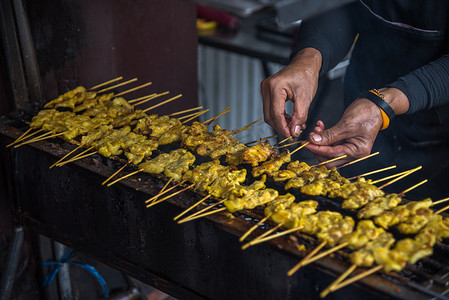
(402, 44)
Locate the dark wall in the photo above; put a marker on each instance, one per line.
(88, 42)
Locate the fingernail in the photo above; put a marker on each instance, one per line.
(316, 137)
(297, 130)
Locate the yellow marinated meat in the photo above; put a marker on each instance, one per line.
(365, 231)
(218, 138)
(365, 193)
(373, 250)
(226, 182)
(282, 175)
(79, 125)
(307, 176)
(126, 119)
(295, 215)
(173, 164)
(378, 206)
(295, 183)
(272, 165)
(95, 134)
(298, 167)
(283, 202)
(257, 153)
(42, 117)
(172, 135)
(251, 199)
(400, 213)
(194, 135)
(416, 221)
(435, 230)
(204, 174)
(243, 190)
(58, 122)
(176, 169)
(93, 102)
(111, 144)
(65, 97)
(139, 150)
(332, 226)
(319, 187)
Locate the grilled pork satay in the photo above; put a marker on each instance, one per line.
(110, 109)
(287, 212)
(223, 184)
(155, 125)
(128, 118)
(272, 165)
(93, 102)
(173, 164)
(307, 176)
(365, 256)
(378, 206)
(204, 174)
(172, 135)
(71, 98)
(258, 153)
(42, 117)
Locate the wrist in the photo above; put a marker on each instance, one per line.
(396, 99)
(309, 59)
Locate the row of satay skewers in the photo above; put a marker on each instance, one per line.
(107, 124)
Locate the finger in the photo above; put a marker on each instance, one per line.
(330, 136)
(299, 116)
(274, 109)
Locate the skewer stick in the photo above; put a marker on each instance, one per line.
(75, 157)
(373, 172)
(234, 132)
(307, 257)
(440, 201)
(223, 112)
(185, 111)
(342, 277)
(20, 137)
(25, 137)
(244, 236)
(358, 277)
(141, 98)
(284, 140)
(65, 156)
(442, 210)
(115, 173)
(106, 83)
(286, 145)
(321, 255)
(401, 194)
(396, 175)
(126, 176)
(151, 98)
(191, 207)
(299, 148)
(117, 85)
(195, 116)
(134, 89)
(400, 177)
(273, 236)
(200, 211)
(162, 103)
(41, 138)
(357, 160)
(169, 196)
(164, 192)
(328, 161)
(203, 215)
(261, 139)
(33, 139)
(268, 232)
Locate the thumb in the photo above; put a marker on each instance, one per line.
(328, 137)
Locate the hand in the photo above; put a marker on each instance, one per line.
(297, 82)
(353, 135)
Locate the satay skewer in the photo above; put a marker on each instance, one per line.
(203, 215)
(115, 173)
(358, 277)
(442, 210)
(23, 136)
(307, 257)
(328, 161)
(287, 145)
(401, 194)
(106, 83)
(223, 112)
(299, 148)
(243, 237)
(261, 139)
(334, 284)
(194, 215)
(440, 201)
(396, 175)
(126, 176)
(191, 207)
(33, 139)
(195, 116)
(161, 191)
(284, 140)
(41, 138)
(65, 156)
(151, 97)
(169, 196)
(141, 98)
(373, 172)
(134, 89)
(234, 132)
(185, 111)
(358, 160)
(400, 177)
(268, 232)
(117, 85)
(75, 157)
(164, 192)
(162, 103)
(270, 237)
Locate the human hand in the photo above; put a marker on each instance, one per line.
(298, 83)
(353, 135)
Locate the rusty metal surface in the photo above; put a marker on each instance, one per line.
(199, 259)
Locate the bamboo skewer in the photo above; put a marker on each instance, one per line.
(161, 191)
(299, 148)
(33, 139)
(26, 137)
(400, 177)
(41, 138)
(75, 157)
(442, 210)
(243, 237)
(134, 89)
(203, 215)
(162, 103)
(273, 236)
(164, 192)
(23, 136)
(440, 201)
(151, 97)
(261, 139)
(126, 176)
(307, 257)
(65, 156)
(191, 207)
(357, 160)
(185, 111)
(169, 196)
(194, 215)
(106, 83)
(141, 98)
(223, 112)
(78, 158)
(117, 85)
(262, 236)
(287, 145)
(234, 132)
(195, 116)
(358, 277)
(115, 173)
(317, 257)
(284, 140)
(342, 277)
(396, 175)
(373, 172)
(330, 160)
(401, 194)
